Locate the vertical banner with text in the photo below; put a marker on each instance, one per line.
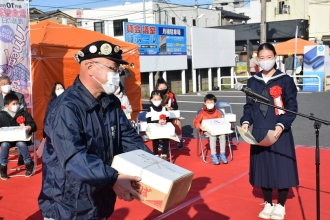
(15, 46)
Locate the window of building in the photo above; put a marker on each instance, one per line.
(173, 20)
(118, 27)
(99, 27)
(79, 23)
(194, 22)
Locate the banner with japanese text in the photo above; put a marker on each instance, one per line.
(15, 61)
(157, 39)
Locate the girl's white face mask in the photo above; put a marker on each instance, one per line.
(59, 92)
(267, 64)
(157, 103)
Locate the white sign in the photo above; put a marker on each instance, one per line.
(212, 48)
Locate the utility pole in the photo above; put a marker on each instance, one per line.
(263, 24)
(144, 11)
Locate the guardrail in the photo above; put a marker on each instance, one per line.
(229, 84)
(298, 84)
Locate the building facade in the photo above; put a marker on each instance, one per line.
(248, 8)
(109, 20)
(55, 16)
(317, 12)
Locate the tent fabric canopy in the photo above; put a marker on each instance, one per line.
(289, 46)
(52, 50)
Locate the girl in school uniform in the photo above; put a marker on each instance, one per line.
(273, 167)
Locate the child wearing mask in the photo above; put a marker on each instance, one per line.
(170, 103)
(13, 115)
(209, 111)
(154, 115)
(125, 104)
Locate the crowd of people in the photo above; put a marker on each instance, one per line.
(87, 124)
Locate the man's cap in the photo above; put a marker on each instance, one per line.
(101, 49)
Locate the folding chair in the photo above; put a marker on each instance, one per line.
(223, 106)
(204, 150)
(141, 124)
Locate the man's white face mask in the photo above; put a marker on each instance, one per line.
(112, 83)
(6, 88)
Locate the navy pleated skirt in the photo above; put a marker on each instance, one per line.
(275, 166)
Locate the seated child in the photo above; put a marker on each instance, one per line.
(209, 111)
(125, 105)
(10, 116)
(153, 116)
(170, 103)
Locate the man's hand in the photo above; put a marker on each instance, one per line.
(278, 131)
(123, 187)
(245, 127)
(202, 128)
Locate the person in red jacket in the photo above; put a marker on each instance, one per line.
(209, 111)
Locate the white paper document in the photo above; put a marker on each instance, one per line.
(266, 142)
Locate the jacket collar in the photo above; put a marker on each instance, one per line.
(278, 74)
(89, 99)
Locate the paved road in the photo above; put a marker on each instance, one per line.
(303, 129)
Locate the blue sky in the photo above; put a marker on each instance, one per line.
(47, 5)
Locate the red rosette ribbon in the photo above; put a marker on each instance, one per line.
(123, 107)
(20, 120)
(162, 117)
(276, 93)
(171, 95)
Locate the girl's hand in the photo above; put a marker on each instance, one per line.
(168, 107)
(162, 121)
(245, 127)
(28, 129)
(278, 131)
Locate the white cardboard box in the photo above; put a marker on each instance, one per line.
(174, 114)
(217, 126)
(161, 131)
(15, 133)
(230, 117)
(163, 184)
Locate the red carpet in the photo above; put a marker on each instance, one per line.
(217, 192)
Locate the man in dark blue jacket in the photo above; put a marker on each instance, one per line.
(85, 128)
